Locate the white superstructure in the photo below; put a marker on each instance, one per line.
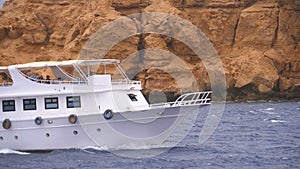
(80, 103)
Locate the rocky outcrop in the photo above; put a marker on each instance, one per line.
(257, 41)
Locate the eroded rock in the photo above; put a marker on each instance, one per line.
(257, 41)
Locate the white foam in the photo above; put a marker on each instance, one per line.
(270, 108)
(139, 147)
(267, 111)
(278, 121)
(126, 147)
(96, 148)
(10, 151)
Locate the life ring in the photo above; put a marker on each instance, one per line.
(73, 118)
(38, 120)
(6, 124)
(108, 114)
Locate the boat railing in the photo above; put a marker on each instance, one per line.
(61, 81)
(159, 105)
(53, 81)
(6, 84)
(188, 99)
(196, 98)
(125, 82)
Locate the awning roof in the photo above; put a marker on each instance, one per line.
(66, 63)
(3, 68)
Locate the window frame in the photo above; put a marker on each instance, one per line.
(30, 104)
(9, 101)
(51, 102)
(72, 102)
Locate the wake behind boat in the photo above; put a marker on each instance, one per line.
(83, 103)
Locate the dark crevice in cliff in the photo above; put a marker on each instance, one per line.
(141, 42)
(182, 4)
(276, 30)
(234, 31)
(277, 85)
(247, 5)
(295, 41)
(47, 29)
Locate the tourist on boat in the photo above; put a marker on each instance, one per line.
(48, 80)
(40, 78)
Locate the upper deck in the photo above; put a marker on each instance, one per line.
(68, 72)
(45, 76)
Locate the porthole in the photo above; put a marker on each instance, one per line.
(73, 118)
(47, 135)
(50, 121)
(1, 138)
(16, 137)
(98, 129)
(38, 120)
(6, 124)
(75, 132)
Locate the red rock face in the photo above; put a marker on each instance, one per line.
(257, 41)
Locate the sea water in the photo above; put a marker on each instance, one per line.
(249, 135)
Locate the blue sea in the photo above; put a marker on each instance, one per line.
(250, 135)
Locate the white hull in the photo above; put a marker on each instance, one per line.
(150, 127)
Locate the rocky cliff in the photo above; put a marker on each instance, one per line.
(257, 41)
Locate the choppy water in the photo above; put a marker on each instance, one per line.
(250, 135)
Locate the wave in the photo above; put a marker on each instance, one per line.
(104, 148)
(269, 110)
(278, 121)
(128, 147)
(10, 151)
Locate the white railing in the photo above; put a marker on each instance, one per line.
(4, 84)
(161, 105)
(53, 81)
(125, 82)
(60, 81)
(197, 98)
(188, 99)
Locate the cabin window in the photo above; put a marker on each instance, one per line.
(51, 103)
(29, 104)
(132, 97)
(73, 101)
(8, 105)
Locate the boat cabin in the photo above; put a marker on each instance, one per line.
(68, 86)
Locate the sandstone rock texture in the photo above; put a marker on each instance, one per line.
(257, 41)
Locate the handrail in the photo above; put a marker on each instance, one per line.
(52, 81)
(5, 84)
(196, 98)
(132, 82)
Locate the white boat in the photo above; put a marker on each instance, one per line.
(83, 103)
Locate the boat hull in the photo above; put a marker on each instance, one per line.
(134, 128)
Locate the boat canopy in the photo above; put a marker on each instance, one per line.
(3, 68)
(66, 63)
(80, 70)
